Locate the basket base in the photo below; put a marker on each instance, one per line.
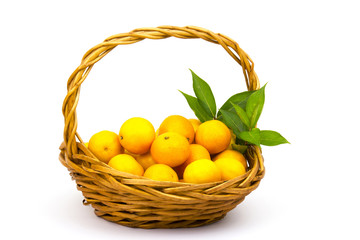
(144, 203)
(160, 224)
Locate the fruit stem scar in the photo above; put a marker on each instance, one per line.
(121, 137)
(166, 137)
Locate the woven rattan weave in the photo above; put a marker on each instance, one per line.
(136, 201)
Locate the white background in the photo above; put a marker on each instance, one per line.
(307, 51)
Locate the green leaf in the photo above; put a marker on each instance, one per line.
(271, 138)
(233, 122)
(252, 136)
(255, 105)
(239, 141)
(239, 148)
(204, 94)
(239, 99)
(242, 114)
(199, 111)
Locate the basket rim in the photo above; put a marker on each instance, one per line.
(132, 179)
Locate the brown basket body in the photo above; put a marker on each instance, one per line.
(136, 201)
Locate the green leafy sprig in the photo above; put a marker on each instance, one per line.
(240, 113)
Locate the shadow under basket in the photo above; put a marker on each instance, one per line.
(136, 201)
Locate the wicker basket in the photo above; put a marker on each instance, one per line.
(136, 201)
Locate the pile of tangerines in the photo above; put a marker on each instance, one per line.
(180, 150)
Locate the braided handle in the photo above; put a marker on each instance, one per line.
(99, 51)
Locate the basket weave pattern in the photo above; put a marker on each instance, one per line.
(136, 201)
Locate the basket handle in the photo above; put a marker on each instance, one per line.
(99, 51)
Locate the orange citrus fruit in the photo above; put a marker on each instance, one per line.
(131, 154)
(195, 123)
(214, 135)
(145, 160)
(202, 171)
(196, 152)
(230, 168)
(161, 172)
(232, 141)
(136, 135)
(232, 154)
(179, 124)
(105, 145)
(126, 163)
(171, 149)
